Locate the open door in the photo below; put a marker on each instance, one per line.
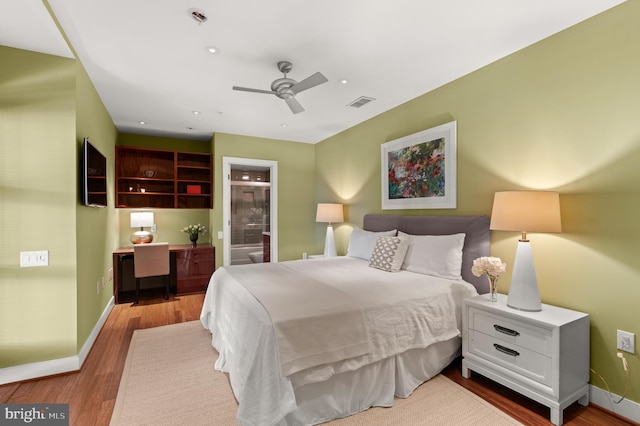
(250, 213)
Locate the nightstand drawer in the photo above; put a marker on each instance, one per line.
(536, 339)
(519, 359)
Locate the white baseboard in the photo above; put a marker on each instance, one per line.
(627, 409)
(55, 366)
(88, 344)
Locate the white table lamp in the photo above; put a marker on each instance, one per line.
(525, 211)
(329, 213)
(140, 220)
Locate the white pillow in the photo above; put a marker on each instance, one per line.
(388, 253)
(362, 242)
(437, 255)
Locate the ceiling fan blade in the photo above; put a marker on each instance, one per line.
(247, 89)
(294, 105)
(309, 82)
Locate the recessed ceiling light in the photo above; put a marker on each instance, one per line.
(212, 49)
(195, 112)
(142, 122)
(284, 125)
(343, 81)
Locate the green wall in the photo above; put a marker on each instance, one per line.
(296, 188)
(37, 206)
(48, 106)
(560, 115)
(95, 227)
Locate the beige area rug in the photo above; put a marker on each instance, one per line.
(169, 379)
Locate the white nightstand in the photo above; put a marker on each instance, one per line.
(542, 355)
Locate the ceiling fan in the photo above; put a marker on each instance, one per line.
(286, 88)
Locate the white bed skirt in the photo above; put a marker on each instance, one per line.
(372, 385)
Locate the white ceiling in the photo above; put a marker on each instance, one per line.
(147, 58)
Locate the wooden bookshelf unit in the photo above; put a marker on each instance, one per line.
(154, 178)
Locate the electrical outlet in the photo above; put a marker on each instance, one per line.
(220, 235)
(110, 274)
(626, 341)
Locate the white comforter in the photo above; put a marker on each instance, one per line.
(402, 311)
(314, 323)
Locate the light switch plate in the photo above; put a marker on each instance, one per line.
(34, 258)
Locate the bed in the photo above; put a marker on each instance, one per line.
(281, 328)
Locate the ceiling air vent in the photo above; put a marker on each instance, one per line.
(361, 101)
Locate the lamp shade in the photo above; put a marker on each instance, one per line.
(141, 219)
(526, 211)
(330, 213)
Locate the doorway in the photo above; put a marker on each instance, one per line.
(250, 213)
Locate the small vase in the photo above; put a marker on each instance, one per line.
(493, 288)
(194, 239)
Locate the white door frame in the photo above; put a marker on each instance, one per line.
(227, 162)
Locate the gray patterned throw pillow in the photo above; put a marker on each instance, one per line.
(388, 253)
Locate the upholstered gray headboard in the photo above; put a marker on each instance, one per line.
(477, 241)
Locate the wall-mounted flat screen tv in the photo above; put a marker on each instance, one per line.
(94, 176)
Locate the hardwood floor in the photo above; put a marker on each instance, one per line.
(91, 392)
(526, 410)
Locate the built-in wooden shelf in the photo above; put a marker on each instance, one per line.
(154, 178)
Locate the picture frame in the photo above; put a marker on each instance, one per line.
(419, 170)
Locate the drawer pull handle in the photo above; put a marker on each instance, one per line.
(504, 350)
(505, 330)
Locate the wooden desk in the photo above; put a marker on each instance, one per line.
(191, 269)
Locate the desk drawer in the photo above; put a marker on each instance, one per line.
(194, 262)
(194, 269)
(536, 339)
(516, 358)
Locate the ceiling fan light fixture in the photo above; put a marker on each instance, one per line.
(286, 88)
(285, 94)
